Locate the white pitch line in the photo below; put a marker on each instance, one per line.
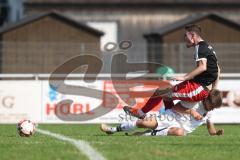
(83, 146)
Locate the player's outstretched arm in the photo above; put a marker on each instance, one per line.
(212, 130)
(201, 67)
(180, 109)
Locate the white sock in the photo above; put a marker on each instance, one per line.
(127, 126)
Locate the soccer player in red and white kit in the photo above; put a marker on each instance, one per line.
(196, 84)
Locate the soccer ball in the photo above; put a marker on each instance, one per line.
(26, 128)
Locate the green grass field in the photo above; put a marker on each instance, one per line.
(115, 147)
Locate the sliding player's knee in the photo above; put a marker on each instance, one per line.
(176, 132)
(179, 132)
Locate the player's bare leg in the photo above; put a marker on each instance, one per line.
(150, 123)
(174, 131)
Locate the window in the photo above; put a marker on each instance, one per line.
(110, 30)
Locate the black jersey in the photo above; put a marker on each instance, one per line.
(205, 51)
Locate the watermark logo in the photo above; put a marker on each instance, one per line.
(94, 66)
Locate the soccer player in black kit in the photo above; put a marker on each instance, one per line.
(196, 84)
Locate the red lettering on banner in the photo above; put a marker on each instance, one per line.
(88, 111)
(50, 108)
(65, 109)
(77, 108)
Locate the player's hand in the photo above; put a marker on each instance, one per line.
(196, 115)
(220, 132)
(179, 78)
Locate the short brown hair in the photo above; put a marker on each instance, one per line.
(215, 98)
(193, 28)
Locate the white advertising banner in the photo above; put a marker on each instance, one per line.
(20, 100)
(35, 100)
(230, 111)
(81, 104)
(227, 114)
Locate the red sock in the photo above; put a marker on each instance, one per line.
(151, 103)
(168, 104)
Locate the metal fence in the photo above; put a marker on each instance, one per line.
(181, 58)
(19, 57)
